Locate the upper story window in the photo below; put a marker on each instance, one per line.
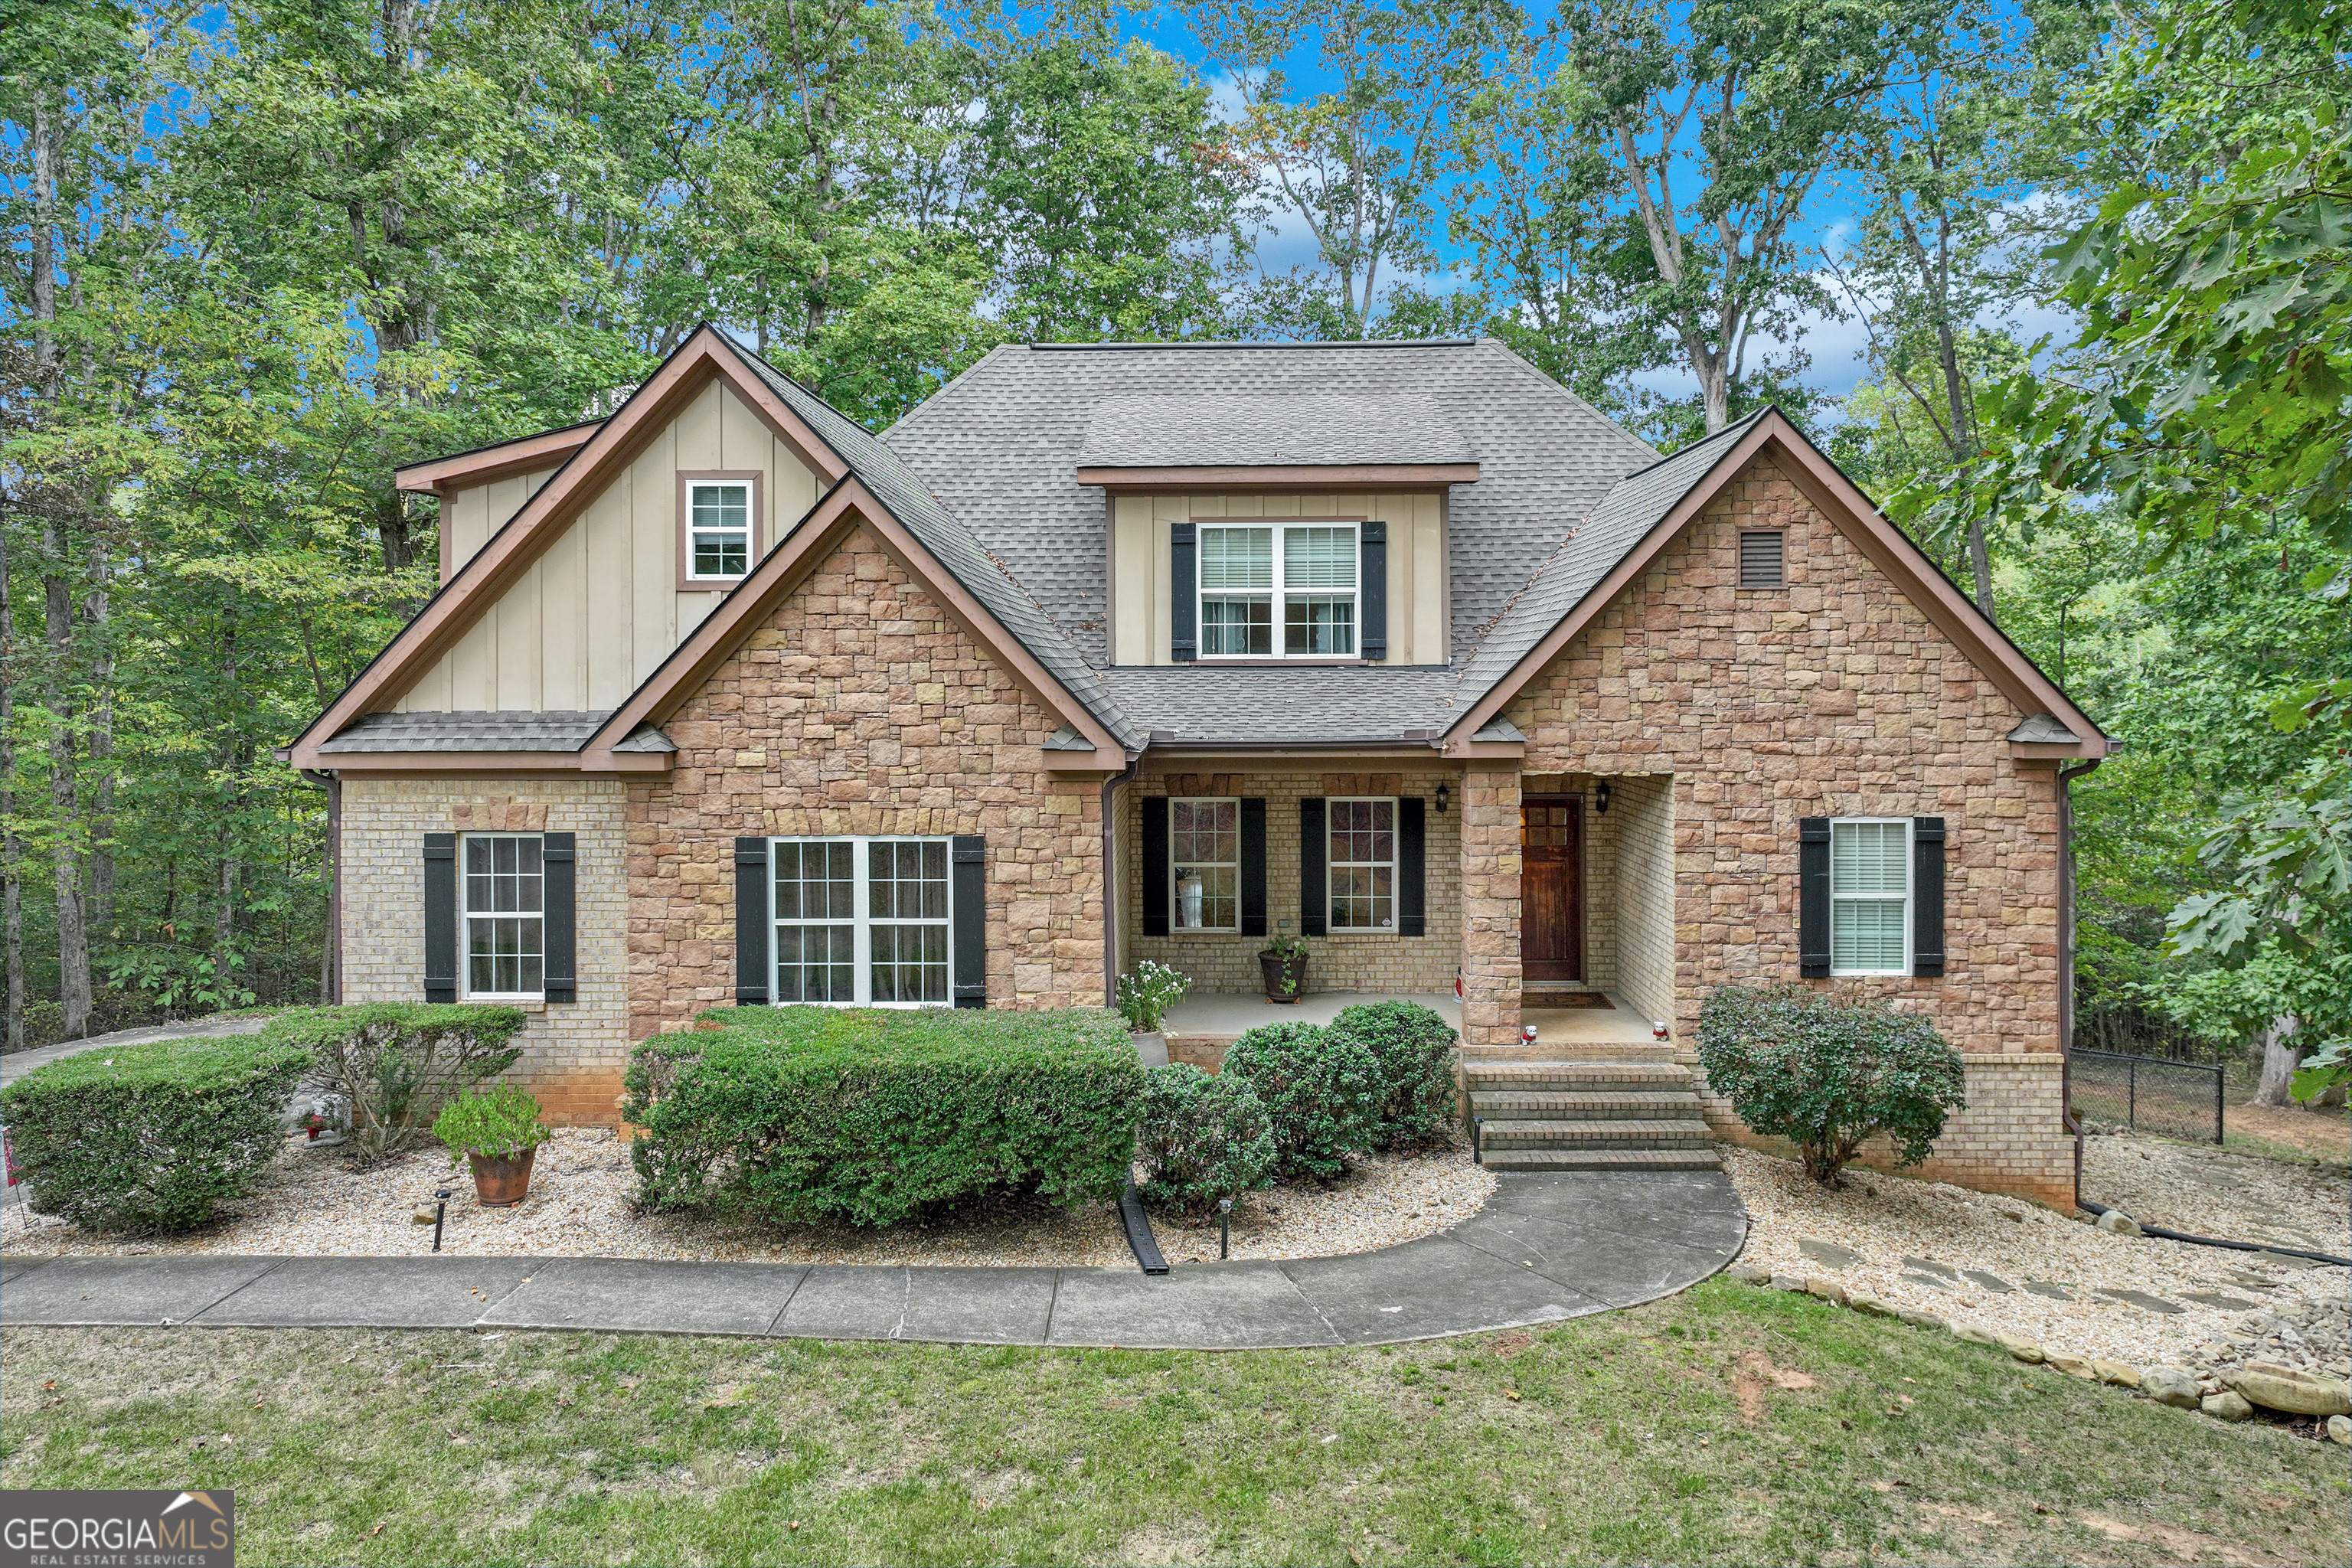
(1362, 862)
(717, 527)
(1291, 582)
(861, 921)
(1870, 896)
(504, 913)
(1204, 855)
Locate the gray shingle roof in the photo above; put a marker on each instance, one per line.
(503, 730)
(1000, 447)
(1315, 702)
(1184, 431)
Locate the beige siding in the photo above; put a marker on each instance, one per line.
(602, 608)
(1140, 626)
(469, 516)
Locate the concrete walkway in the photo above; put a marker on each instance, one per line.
(1548, 1247)
(17, 1064)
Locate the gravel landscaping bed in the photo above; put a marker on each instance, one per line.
(583, 1204)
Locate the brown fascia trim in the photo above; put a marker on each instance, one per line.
(1851, 512)
(483, 464)
(408, 764)
(849, 504)
(513, 550)
(1283, 477)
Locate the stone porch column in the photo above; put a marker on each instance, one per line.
(1490, 905)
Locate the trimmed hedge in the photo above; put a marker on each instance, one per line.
(155, 1136)
(1828, 1072)
(869, 1116)
(1322, 1090)
(1414, 1049)
(1202, 1138)
(398, 1063)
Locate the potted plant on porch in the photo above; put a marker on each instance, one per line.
(1282, 962)
(497, 1132)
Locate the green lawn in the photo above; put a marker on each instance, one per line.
(1726, 1425)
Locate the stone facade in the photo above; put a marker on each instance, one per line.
(1490, 905)
(573, 1053)
(1343, 961)
(861, 707)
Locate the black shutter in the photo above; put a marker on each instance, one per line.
(1183, 593)
(559, 923)
(752, 930)
(1412, 881)
(1813, 898)
(1155, 865)
(1253, 866)
(440, 916)
(968, 911)
(1927, 895)
(1314, 887)
(1372, 588)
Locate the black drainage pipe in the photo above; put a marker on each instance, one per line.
(1140, 1239)
(2158, 1230)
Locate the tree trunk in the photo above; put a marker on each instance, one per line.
(2281, 1057)
(100, 751)
(12, 898)
(224, 921)
(65, 803)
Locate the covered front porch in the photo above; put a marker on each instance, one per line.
(1199, 1028)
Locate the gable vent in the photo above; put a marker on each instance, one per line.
(1759, 560)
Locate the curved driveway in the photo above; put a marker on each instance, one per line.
(1548, 1247)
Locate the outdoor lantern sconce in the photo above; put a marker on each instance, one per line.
(1601, 797)
(1445, 798)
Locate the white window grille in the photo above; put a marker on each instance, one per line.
(861, 921)
(1362, 863)
(718, 529)
(1314, 601)
(504, 911)
(1204, 874)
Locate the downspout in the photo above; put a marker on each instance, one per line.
(1110, 881)
(327, 780)
(2071, 1122)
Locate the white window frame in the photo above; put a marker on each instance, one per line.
(862, 917)
(1910, 890)
(1175, 892)
(1331, 865)
(1280, 594)
(468, 915)
(749, 529)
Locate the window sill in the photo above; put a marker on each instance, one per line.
(527, 1003)
(1871, 975)
(708, 584)
(1258, 661)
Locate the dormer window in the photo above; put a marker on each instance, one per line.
(719, 529)
(1299, 576)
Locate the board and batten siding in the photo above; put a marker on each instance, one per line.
(1139, 563)
(471, 514)
(602, 608)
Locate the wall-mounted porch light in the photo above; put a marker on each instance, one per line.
(1600, 796)
(1444, 797)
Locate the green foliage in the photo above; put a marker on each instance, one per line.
(1413, 1047)
(1828, 1072)
(1147, 991)
(497, 1124)
(1202, 1138)
(398, 1063)
(868, 1116)
(154, 1136)
(1322, 1090)
(2326, 1070)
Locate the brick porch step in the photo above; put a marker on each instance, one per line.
(1573, 1051)
(1603, 1105)
(1574, 1077)
(1598, 1134)
(1603, 1159)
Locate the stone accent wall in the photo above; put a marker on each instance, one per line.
(1344, 961)
(861, 707)
(573, 1053)
(1832, 695)
(1643, 805)
(1489, 936)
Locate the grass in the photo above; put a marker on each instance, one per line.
(1726, 1425)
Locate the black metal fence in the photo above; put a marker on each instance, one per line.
(2148, 1094)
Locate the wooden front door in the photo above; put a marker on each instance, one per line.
(1552, 889)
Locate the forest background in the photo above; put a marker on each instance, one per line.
(2094, 254)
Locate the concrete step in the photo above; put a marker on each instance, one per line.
(1604, 1105)
(1627, 1134)
(1575, 1078)
(1542, 1050)
(1604, 1160)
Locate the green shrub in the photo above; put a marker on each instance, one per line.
(153, 1136)
(497, 1123)
(1414, 1049)
(804, 1114)
(1321, 1089)
(1202, 1138)
(1147, 991)
(397, 1063)
(1827, 1071)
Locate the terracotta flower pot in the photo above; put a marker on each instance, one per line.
(1286, 978)
(500, 1182)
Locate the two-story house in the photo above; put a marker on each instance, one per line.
(1109, 652)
